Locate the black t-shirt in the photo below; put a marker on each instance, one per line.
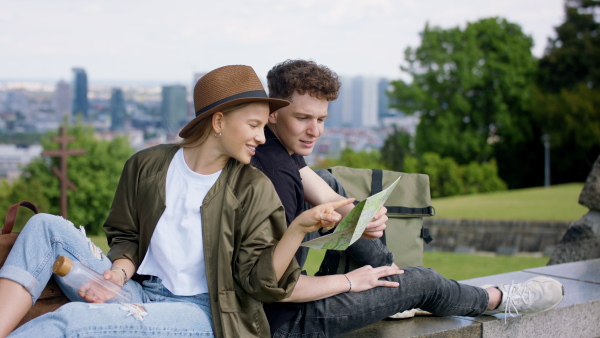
(283, 170)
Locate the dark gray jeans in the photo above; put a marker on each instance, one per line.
(419, 288)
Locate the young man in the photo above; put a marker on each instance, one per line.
(336, 304)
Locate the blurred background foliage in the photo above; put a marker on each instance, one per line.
(95, 176)
(484, 103)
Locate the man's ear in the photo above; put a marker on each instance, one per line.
(217, 122)
(273, 117)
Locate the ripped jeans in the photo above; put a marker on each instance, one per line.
(154, 310)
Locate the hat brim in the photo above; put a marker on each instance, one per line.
(274, 104)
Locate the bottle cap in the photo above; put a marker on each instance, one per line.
(62, 266)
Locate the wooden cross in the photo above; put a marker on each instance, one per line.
(63, 153)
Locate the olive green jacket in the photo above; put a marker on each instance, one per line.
(242, 220)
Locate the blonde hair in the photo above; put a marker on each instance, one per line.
(202, 130)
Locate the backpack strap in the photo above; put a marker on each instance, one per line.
(376, 181)
(376, 187)
(412, 211)
(11, 215)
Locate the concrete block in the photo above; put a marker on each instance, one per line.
(506, 250)
(464, 249)
(579, 320)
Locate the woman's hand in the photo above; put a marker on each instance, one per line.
(92, 292)
(321, 216)
(367, 277)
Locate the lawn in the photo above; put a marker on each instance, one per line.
(556, 203)
(457, 266)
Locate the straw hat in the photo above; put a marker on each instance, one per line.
(225, 87)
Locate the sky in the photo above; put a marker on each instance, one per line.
(169, 40)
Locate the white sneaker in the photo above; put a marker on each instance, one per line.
(539, 294)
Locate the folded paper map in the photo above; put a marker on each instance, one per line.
(353, 225)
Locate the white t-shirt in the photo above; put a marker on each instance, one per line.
(176, 251)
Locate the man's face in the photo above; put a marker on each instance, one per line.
(299, 125)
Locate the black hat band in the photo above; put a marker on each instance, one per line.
(252, 93)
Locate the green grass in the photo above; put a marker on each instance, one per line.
(455, 265)
(466, 266)
(555, 203)
(101, 242)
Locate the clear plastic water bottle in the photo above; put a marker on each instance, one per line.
(79, 276)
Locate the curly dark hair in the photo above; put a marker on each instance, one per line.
(303, 77)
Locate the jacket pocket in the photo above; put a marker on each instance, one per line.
(242, 316)
(228, 301)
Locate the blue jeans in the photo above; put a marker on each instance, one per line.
(154, 310)
(419, 287)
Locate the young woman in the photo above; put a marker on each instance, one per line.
(202, 233)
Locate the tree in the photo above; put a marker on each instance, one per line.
(395, 148)
(94, 174)
(572, 119)
(19, 191)
(573, 56)
(568, 100)
(471, 89)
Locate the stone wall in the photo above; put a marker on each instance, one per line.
(495, 236)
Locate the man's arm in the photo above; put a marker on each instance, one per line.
(317, 191)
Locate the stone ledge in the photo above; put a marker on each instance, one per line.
(577, 315)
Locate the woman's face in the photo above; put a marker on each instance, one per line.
(243, 130)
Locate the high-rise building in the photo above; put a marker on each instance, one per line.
(62, 100)
(357, 104)
(340, 110)
(17, 101)
(80, 91)
(383, 86)
(174, 108)
(366, 111)
(362, 102)
(117, 110)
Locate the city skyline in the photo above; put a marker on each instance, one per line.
(165, 42)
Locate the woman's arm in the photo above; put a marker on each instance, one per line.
(323, 215)
(121, 271)
(309, 288)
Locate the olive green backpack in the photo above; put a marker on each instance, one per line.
(407, 205)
